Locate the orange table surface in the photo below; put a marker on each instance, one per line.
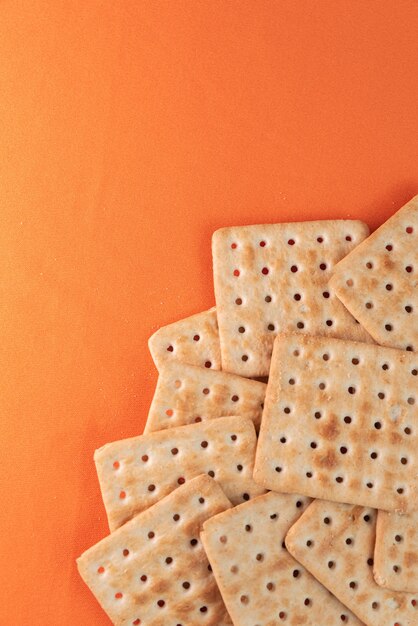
(130, 131)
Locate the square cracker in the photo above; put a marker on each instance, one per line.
(193, 340)
(378, 282)
(339, 418)
(260, 582)
(274, 278)
(135, 473)
(154, 570)
(179, 398)
(396, 551)
(335, 543)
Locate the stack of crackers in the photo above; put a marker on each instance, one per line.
(276, 481)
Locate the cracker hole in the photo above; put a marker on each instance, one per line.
(369, 265)
(381, 395)
(348, 541)
(181, 480)
(389, 286)
(244, 599)
(122, 495)
(234, 569)
(374, 455)
(385, 366)
(177, 384)
(235, 398)
(348, 238)
(283, 439)
(318, 415)
(414, 602)
(300, 325)
(310, 543)
(208, 364)
(339, 479)
(176, 517)
(404, 460)
(262, 244)
(265, 271)
(286, 410)
(203, 609)
(116, 465)
(389, 247)
(409, 348)
(170, 348)
(322, 266)
(355, 361)
(322, 386)
(233, 437)
(169, 412)
(151, 487)
(398, 538)
(274, 516)
(375, 606)
(297, 297)
(278, 469)
(325, 357)
(400, 490)
(101, 570)
(205, 391)
(347, 419)
(408, 309)
(267, 298)
(169, 560)
(294, 269)
(349, 282)
(246, 496)
(343, 617)
(353, 584)
(409, 230)
(329, 322)
(282, 615)
(125, 552)
(343, 450)
(174, 451)
(369, 305)
(270, 327)
(407, 430)
(211, 473)
(327, 520)
(236, 272)
(241, 329)
(270, 586)
(238, 301)
(204, 444)
(151, 534)
(414, 372)
(291, 381)
(291, 242)
(388, 327)
(370, 562)
(307, 602)
(331, 564)
(161, 603)
(244, 358)
(186, 584)
(320, 239)
(367, 518)
(409, 269)
(314, 444)
(377, 425)
(369, 485)
(411, 400)
(196, 338)
(248, 528)
(325, 294)
(308, 474)
(136, 622)
(197, 419)
(193, 542)
(119, 595)
(351, 390)
(296, 573)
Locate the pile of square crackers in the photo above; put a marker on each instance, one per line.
(276, 480)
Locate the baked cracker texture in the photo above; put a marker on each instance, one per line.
(335, 542)
(181, 398)
(260, 582)
(396, 551)
(135, 473)
(154, 570)
(193, 340)
(378, 282)
(274, 278)
(340, 423)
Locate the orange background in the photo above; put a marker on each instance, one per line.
(130, 130)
